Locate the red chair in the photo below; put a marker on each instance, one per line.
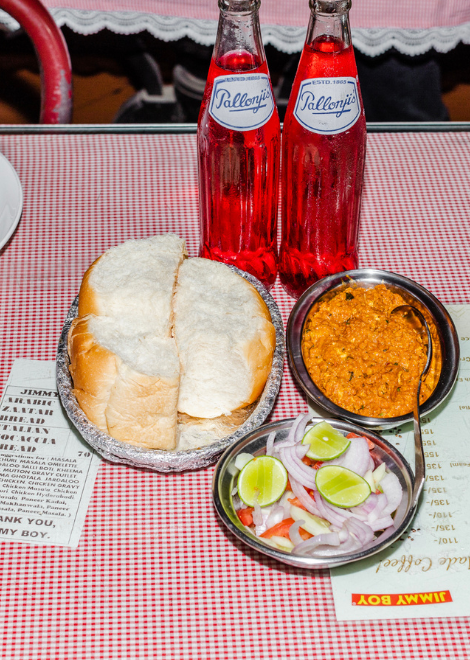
(53, 56)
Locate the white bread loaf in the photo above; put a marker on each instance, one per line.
(131, 376)
(135, 281)
(127, 384)
(225, 339)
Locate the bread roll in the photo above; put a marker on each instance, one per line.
(225, 339)
(135, 281)
(126, 383)
(158, 334)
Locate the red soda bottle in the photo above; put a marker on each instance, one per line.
(323, 154)
(239, 140)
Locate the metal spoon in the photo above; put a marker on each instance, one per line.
(417, 320)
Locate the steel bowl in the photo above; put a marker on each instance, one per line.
(438, 319)
(157, 459)
(225, 477)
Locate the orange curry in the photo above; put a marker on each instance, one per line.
(364, 359)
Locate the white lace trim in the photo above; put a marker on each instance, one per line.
(375, 41)
(370, 41)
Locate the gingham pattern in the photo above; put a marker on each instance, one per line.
(412, 28)
(364, 13)
(155, 574)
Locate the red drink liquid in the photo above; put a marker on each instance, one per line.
(321, 180)
(238, 181)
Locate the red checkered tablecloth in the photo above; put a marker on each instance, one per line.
(420, 14)
(155, 574)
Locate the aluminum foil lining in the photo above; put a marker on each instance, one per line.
(157, 459)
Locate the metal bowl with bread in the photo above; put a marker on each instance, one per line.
(165, 360)
(327, 394)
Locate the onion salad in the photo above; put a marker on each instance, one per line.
(305, 516)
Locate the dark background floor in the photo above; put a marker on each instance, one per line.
(109, 72)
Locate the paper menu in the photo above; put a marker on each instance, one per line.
(427, 572)
(47, 472)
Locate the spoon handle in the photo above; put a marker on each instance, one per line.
(420, 471)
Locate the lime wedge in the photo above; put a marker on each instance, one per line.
(262, 480)
(325, 442)
(341, 487)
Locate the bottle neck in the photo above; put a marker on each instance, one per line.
(328, 29)
(238, 45)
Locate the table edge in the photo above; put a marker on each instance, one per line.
(178, 129)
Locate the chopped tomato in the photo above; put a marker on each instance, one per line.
(296, 502)
(246, 516)
(282, 529)
(312, 462)
(304, 534)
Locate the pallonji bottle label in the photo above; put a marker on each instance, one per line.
(242, 102)
(327, 105)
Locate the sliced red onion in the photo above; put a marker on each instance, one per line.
(361, 531)
(294, 533)
(343, 534)
(270, 444)
(307, 501)
(297, 429)
(301, 450)
(364, 510)
(257, 514)
(392, 489)
(309, 473)
(301, 472)
(356, 457)
(275, 516)
(378, 509)
(260, 516)
(343, 513)
(286, 505)
(306, 547)
(300, 429)
(328, 514)
(349, 545)
(381, 523)
(359, 515)
(371, 464)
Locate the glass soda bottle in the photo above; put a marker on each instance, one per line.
(323, 154)
(239, 140)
